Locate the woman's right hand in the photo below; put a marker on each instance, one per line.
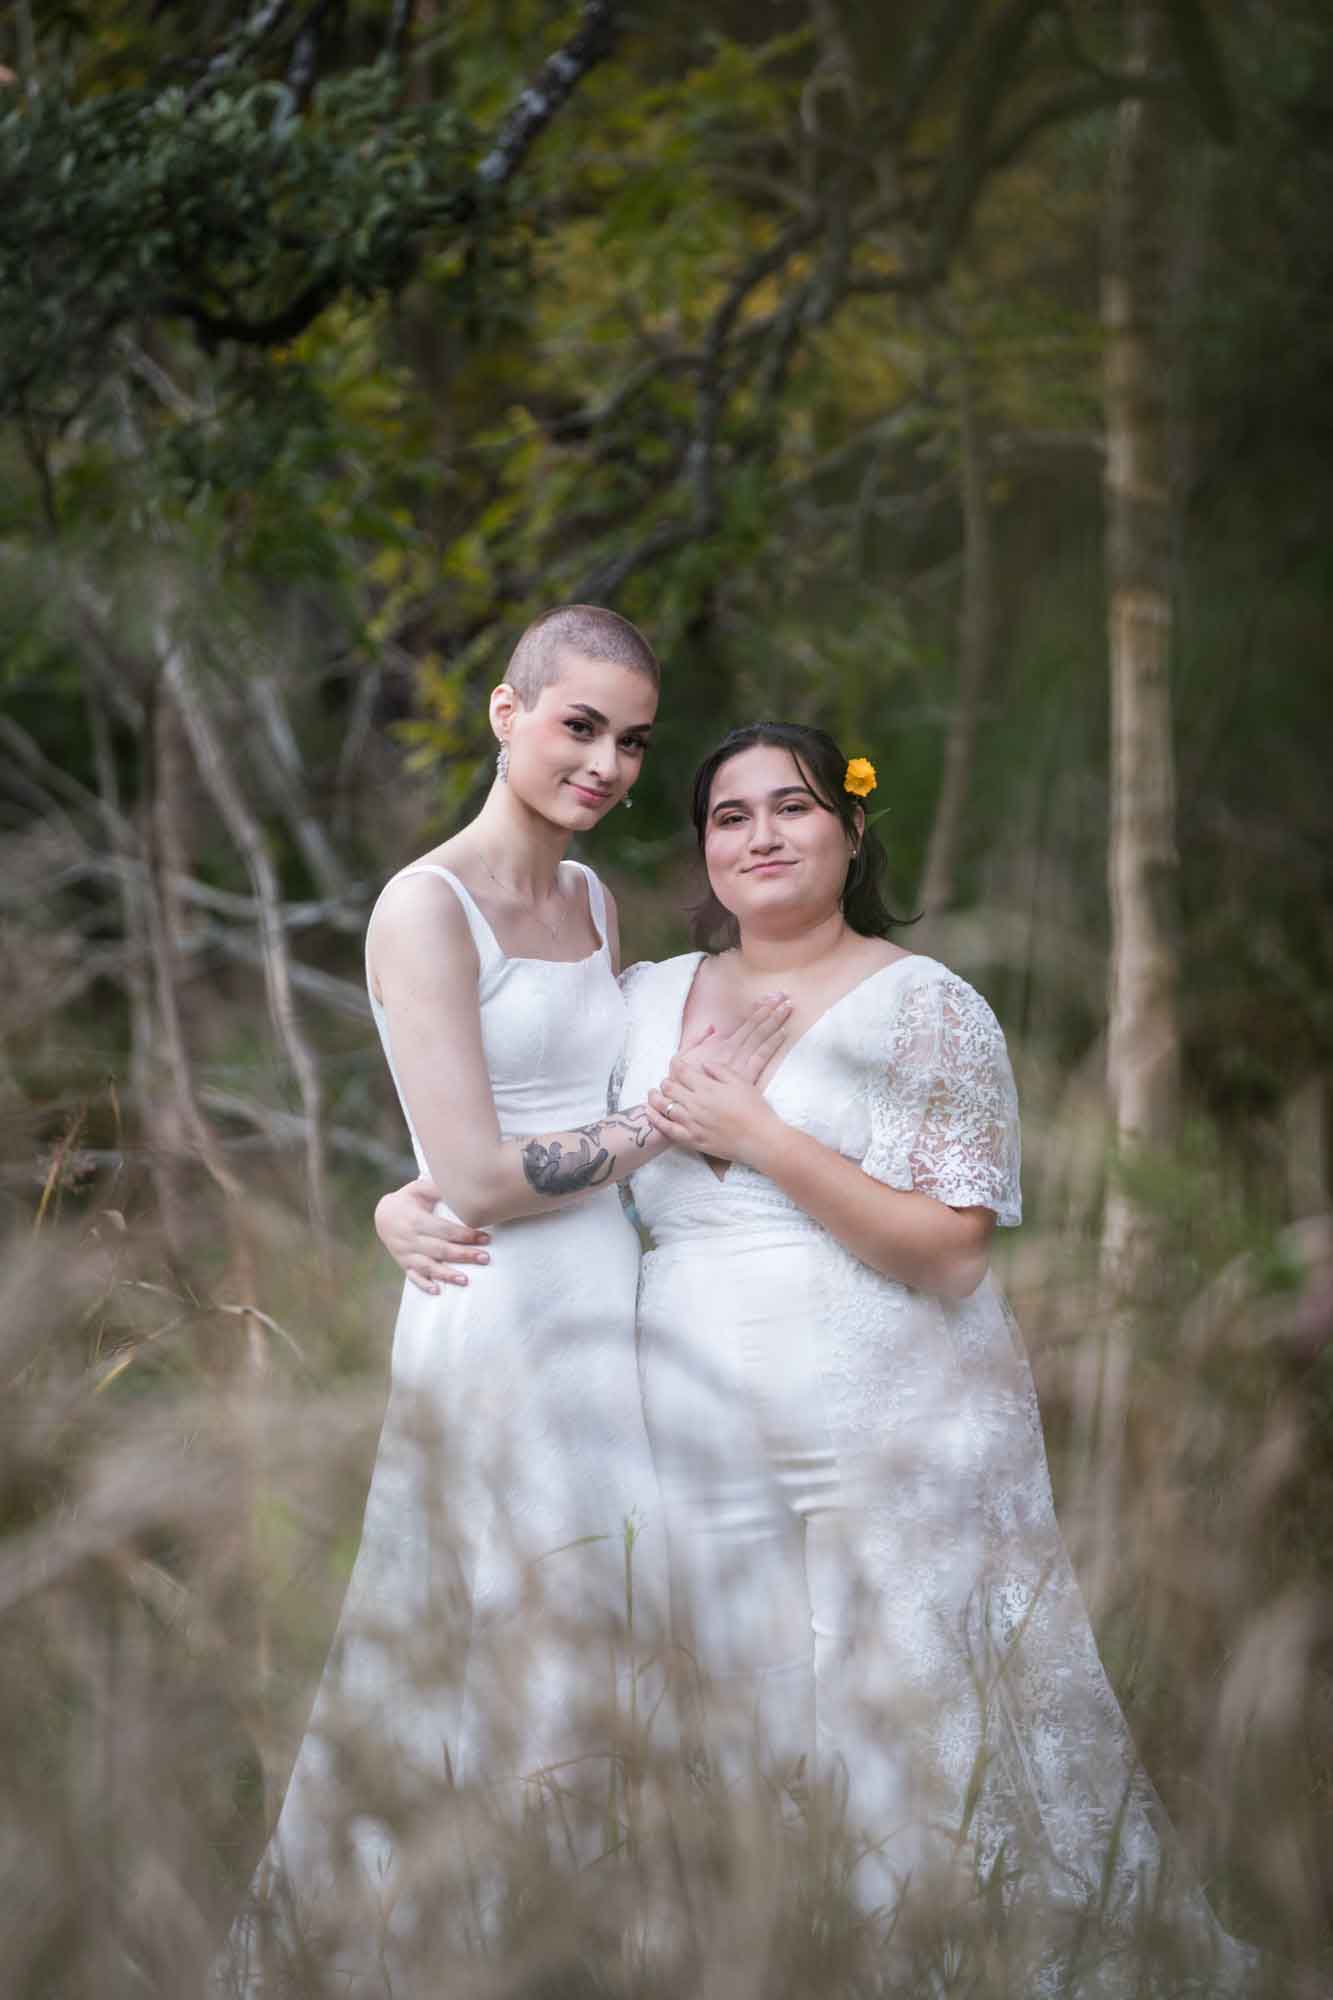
(427, 1246)
(750, 1050)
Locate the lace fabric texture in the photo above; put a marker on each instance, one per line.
(859, 1511)
(943, 1108)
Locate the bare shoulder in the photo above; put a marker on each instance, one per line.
(417, 918)
(875, 954)
(415, 897)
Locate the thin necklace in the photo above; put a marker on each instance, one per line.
(552, 934)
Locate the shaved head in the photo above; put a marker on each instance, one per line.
(587, 629)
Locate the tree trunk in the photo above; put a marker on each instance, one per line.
(976, 634)
(1143, 1038)
(1143, 1028)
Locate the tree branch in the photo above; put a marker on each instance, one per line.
(521, 126)
(554, 83)
(343, 996)
(219, 780)
(955, 195)
(285, 1128)
(239, 49)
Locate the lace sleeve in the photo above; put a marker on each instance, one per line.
(944, 1111)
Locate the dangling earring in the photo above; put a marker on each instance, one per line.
(627, 802)
(502, 764)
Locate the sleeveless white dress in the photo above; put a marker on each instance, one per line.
(511, 1577)
(865, 1556)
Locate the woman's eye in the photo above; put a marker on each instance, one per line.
(635, 745)
(579, 726)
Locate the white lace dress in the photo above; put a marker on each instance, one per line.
(865, 1557)
(495, 1616)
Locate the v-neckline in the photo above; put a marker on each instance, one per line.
(706, 1159)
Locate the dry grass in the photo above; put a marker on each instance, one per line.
(177, 1528)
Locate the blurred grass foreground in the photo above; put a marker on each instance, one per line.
(182, 1491)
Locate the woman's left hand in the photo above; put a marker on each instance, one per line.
(711, 1110)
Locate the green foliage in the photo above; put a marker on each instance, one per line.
(230, 211)
(496, 407)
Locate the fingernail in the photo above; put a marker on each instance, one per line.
(482, 1257)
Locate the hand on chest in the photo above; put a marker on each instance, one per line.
(721, 996)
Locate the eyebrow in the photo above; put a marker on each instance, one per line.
(781, 792)
(595, 715)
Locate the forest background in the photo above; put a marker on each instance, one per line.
(956, 375)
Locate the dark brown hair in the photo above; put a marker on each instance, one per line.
(823, 767)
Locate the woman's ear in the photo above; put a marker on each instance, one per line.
(859, 815)
(503, 704)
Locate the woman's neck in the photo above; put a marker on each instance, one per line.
(763, 953)
(517, 847)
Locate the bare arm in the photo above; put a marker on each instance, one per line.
(424, 965)
(908, 1236)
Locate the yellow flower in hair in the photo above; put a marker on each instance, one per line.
(860, 777)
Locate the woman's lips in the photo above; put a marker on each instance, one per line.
(588, 795)
(768, 867)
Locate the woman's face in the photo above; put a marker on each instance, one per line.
(775, 855)
(575, 753)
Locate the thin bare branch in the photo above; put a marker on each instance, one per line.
(553, 84)
(243, 44)
(220, 782)
(287, 787)
(286, 1128)
(343, 996)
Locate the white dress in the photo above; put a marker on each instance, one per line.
(511, 1575)
(865, 1558)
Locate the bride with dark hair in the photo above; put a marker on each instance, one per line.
(865, 1563)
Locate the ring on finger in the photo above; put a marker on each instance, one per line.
(670, 1108)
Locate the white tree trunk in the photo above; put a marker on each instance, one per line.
(1144, 1035)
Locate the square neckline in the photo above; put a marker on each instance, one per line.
(521, 958)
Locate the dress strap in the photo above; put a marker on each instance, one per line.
(596, 900)
(482, 935)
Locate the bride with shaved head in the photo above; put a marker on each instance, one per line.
(513, 1527)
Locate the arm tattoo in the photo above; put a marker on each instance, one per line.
(558, 1170)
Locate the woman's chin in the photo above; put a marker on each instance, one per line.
(785, 903)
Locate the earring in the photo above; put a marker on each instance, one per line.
(502, 764)
(627, 802)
